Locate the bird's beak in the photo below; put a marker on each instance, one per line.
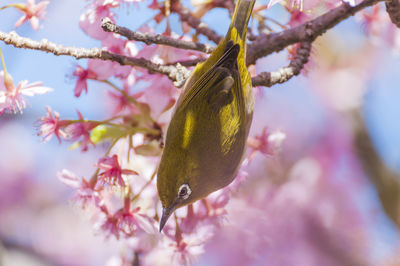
(166, 213)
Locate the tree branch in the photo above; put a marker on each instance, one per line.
(393, 9)
(43, 259)
(149, 38)
(268, 79)
(307, 32)
(263, 45)
(195, 23)
(189, 62)
(178, 73)
(385, 180)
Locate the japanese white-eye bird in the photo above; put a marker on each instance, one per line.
(207, 135)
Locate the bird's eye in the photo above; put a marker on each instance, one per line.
(184, 191)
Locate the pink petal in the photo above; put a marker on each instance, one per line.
(90, 23)
(42, 5)
(105, 166)
(34, 22)
(145, 224)
(33, 88)
(3, 105)
(103, 69)
(129, 172)
(69, 178)
(81, 85)
(21, 21)
(3, 97)
(273, 2)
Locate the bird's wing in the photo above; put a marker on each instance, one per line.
(216, 80)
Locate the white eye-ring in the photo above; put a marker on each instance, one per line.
(184, 191)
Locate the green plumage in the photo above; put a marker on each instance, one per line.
(207, 134)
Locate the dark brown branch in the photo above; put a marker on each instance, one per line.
(268, 79)
(307, 32)
(188, 63)
(149, 38)
(176, 73)
(27, 250)
(262, 46)
(385, 180)
(332, 241)
(393, 9)
(195, 23)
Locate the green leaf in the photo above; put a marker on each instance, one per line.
(102, 132)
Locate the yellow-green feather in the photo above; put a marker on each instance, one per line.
(188, 129)
(237, 33)
(204, 145)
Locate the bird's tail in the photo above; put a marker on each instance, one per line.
(240, 20)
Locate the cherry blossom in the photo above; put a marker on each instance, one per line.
(126, 221)
(12, 97)
(80, 129)
(267, 143)
(96, 70)
(32, 12)
(121, 102)
(298, 17)
(85, 192)
(160, 95)
(115, 44)
(90, 21)
(50, 126)
(83, 75)
(300, 196)
(210, 211)
(373, 20)
(112, 171)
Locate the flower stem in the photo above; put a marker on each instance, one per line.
(19, 6)
(93, 180)
(130, 98)
(145, 185)
(105, 122)
(3, 63)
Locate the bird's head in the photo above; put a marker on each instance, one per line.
(179, 188)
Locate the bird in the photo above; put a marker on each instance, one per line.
(206, 137)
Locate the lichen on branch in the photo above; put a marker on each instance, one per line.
(263, 45)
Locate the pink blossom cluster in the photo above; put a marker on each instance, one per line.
(308, 5)
(258, 222)
(380, 29)
(123, 202)
(12, 98)
(31, 11)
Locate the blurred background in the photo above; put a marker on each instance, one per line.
(349, 88)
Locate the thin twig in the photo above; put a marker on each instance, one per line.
(268, 79)
(178, 73)
(393, 9)
(262, 46)
(195, 23)
(149, 38)
(306, 32)
(145, 185)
